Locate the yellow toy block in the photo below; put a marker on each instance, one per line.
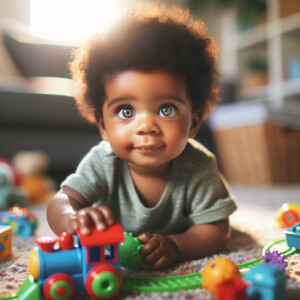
(5, 242)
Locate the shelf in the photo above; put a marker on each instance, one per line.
(252, 37)
(290, 23)
(291, 87)
(260, 34)
(259, 92)
(277, 41)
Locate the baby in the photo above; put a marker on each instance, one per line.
(147, 83)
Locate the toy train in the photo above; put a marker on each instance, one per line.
(91, 264)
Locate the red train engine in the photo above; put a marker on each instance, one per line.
(61, 267)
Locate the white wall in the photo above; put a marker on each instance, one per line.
(15, 10)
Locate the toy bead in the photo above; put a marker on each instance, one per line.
(217, 271)
(46, 243)
(275, 258)
(65, 241)
(130, 257)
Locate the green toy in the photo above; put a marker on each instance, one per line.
(130, 257)
(29, 290)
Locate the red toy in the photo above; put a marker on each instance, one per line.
(232, 289)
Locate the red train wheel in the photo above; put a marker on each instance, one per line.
(59, 286)
(103, 282)
(290, 218)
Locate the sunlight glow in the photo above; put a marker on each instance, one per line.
(70, 20)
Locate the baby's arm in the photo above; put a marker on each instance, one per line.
(198, 241)
(69, 211)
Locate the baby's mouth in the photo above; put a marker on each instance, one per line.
(148, 148)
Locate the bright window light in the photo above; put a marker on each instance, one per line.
(71, 20)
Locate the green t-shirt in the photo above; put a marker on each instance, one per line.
(196, 192)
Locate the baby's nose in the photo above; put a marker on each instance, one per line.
(147, 125)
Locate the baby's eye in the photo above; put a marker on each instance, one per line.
(167, 110)
(126, 113)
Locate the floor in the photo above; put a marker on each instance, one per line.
(265, 200)
(257, 207)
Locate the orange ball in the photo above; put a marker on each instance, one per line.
(217, 271)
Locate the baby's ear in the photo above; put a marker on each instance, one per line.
(196, 121)
(102, 129)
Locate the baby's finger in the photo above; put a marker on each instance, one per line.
(154, 256)
(84, 222)
(107, 214)
(97, 218)
(145, 237)
(161, 263)
(149, 247)
(71, 224)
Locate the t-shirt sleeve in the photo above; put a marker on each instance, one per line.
(211, 199)
(89, 179)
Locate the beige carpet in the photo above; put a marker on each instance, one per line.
(254, 226)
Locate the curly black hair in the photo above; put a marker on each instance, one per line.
(156, 38)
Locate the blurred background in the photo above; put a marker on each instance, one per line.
(255, 131)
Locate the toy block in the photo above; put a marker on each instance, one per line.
(5, 242)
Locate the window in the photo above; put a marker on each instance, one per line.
(109, 252)
(71, 20)
(94, 254)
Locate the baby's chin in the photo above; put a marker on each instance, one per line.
(148, 165)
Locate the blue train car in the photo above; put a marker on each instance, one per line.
(63, 266)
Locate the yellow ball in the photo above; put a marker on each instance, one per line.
(217, 271)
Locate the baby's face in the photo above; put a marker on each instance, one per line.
(147, 117)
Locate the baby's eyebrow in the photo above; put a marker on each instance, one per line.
(168, 97)
(118, 99)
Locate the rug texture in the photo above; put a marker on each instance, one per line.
(245, 245)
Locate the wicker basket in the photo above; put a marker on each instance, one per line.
(260, 154)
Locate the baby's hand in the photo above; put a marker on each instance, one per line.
(88, 217)
(159, 251)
